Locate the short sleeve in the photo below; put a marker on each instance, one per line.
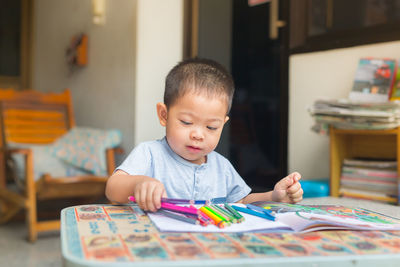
(237, 187)
(138, 162)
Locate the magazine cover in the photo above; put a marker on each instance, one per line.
(373, 80)
(396, 86)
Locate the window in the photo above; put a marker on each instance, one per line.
(327, 24)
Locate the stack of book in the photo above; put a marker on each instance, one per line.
(372, 102)
(347, 114)
(369, 179)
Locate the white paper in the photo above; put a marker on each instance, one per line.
(250, 224)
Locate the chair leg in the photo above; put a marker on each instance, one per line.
(31, 220)
(30, 192)
(10, 204)
(7, 211)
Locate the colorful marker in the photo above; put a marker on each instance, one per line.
(224, 212)
(178, 201)
(173, 207)
(259, 209)
(216, 213)
(217, 221)
(255, 213)
(238, 216)
(177, 216)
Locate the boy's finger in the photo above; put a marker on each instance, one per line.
(297, 193)
(297, 199)
(140, 201)
(288, 181)
(295, 176)
(149, 199)
(293, 188)
(284, 183)
(157, 194)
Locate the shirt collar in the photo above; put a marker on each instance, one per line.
(179, 158)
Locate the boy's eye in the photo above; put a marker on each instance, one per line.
(185, 122)
(212, 128)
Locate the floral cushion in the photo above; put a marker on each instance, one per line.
(85, 148)
(43, 162)
(81, 151)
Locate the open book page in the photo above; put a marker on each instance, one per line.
(250, 224)
(319, 217)
(291, 218)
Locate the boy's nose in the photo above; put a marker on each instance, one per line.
(196, 134)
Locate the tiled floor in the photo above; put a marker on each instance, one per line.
(15, 250)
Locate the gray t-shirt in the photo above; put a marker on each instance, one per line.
(182, 179)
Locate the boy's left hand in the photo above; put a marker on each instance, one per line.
(288, 189)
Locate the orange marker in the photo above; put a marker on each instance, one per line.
(218, 222)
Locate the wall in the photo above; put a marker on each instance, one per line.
(129, 57)
(103, 91)
(215, 34)
(159, 37)
(327, 74)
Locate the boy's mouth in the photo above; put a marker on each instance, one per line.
(194, 149)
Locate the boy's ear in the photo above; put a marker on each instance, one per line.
(226, 119)
(162, 113)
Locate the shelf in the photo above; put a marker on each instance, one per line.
(373, 144)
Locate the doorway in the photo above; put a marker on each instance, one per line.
(237, 35)
(16, 35)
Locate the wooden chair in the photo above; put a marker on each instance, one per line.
(39, 118)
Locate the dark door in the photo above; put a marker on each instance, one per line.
(255, 139)
(258, 126)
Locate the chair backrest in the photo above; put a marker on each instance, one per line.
(34, 117)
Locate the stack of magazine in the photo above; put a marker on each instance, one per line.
(347, 114)
(369, 179)
(372, 102)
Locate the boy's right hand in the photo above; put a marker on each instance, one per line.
(148, 194)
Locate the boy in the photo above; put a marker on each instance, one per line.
(197, 99)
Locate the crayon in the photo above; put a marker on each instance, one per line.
(177, 200)
(184, 201)
(219, 213)
(259, 209)
(173, 207)
(234, 212)
(204, 217)
(177, 216)
(224, 212)
(255, 213)
(216, 213)
(217, 221)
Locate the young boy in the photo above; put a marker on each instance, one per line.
(197, 99)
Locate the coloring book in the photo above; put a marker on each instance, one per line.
(291, 218)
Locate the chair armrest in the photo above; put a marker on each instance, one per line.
(23, 151)
(4, 152)
(29, 174)
(110, 158)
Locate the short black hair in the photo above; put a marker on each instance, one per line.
(198, 75)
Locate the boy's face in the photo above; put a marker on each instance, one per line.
(193, 125)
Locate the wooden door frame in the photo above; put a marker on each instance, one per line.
(24, 80)
(190, 28)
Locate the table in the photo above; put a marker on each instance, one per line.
(110, 235)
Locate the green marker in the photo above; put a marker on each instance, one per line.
(216, 213)
(229, 215)
(234, 212)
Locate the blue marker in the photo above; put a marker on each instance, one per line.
(255, 213)
(259, 209)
